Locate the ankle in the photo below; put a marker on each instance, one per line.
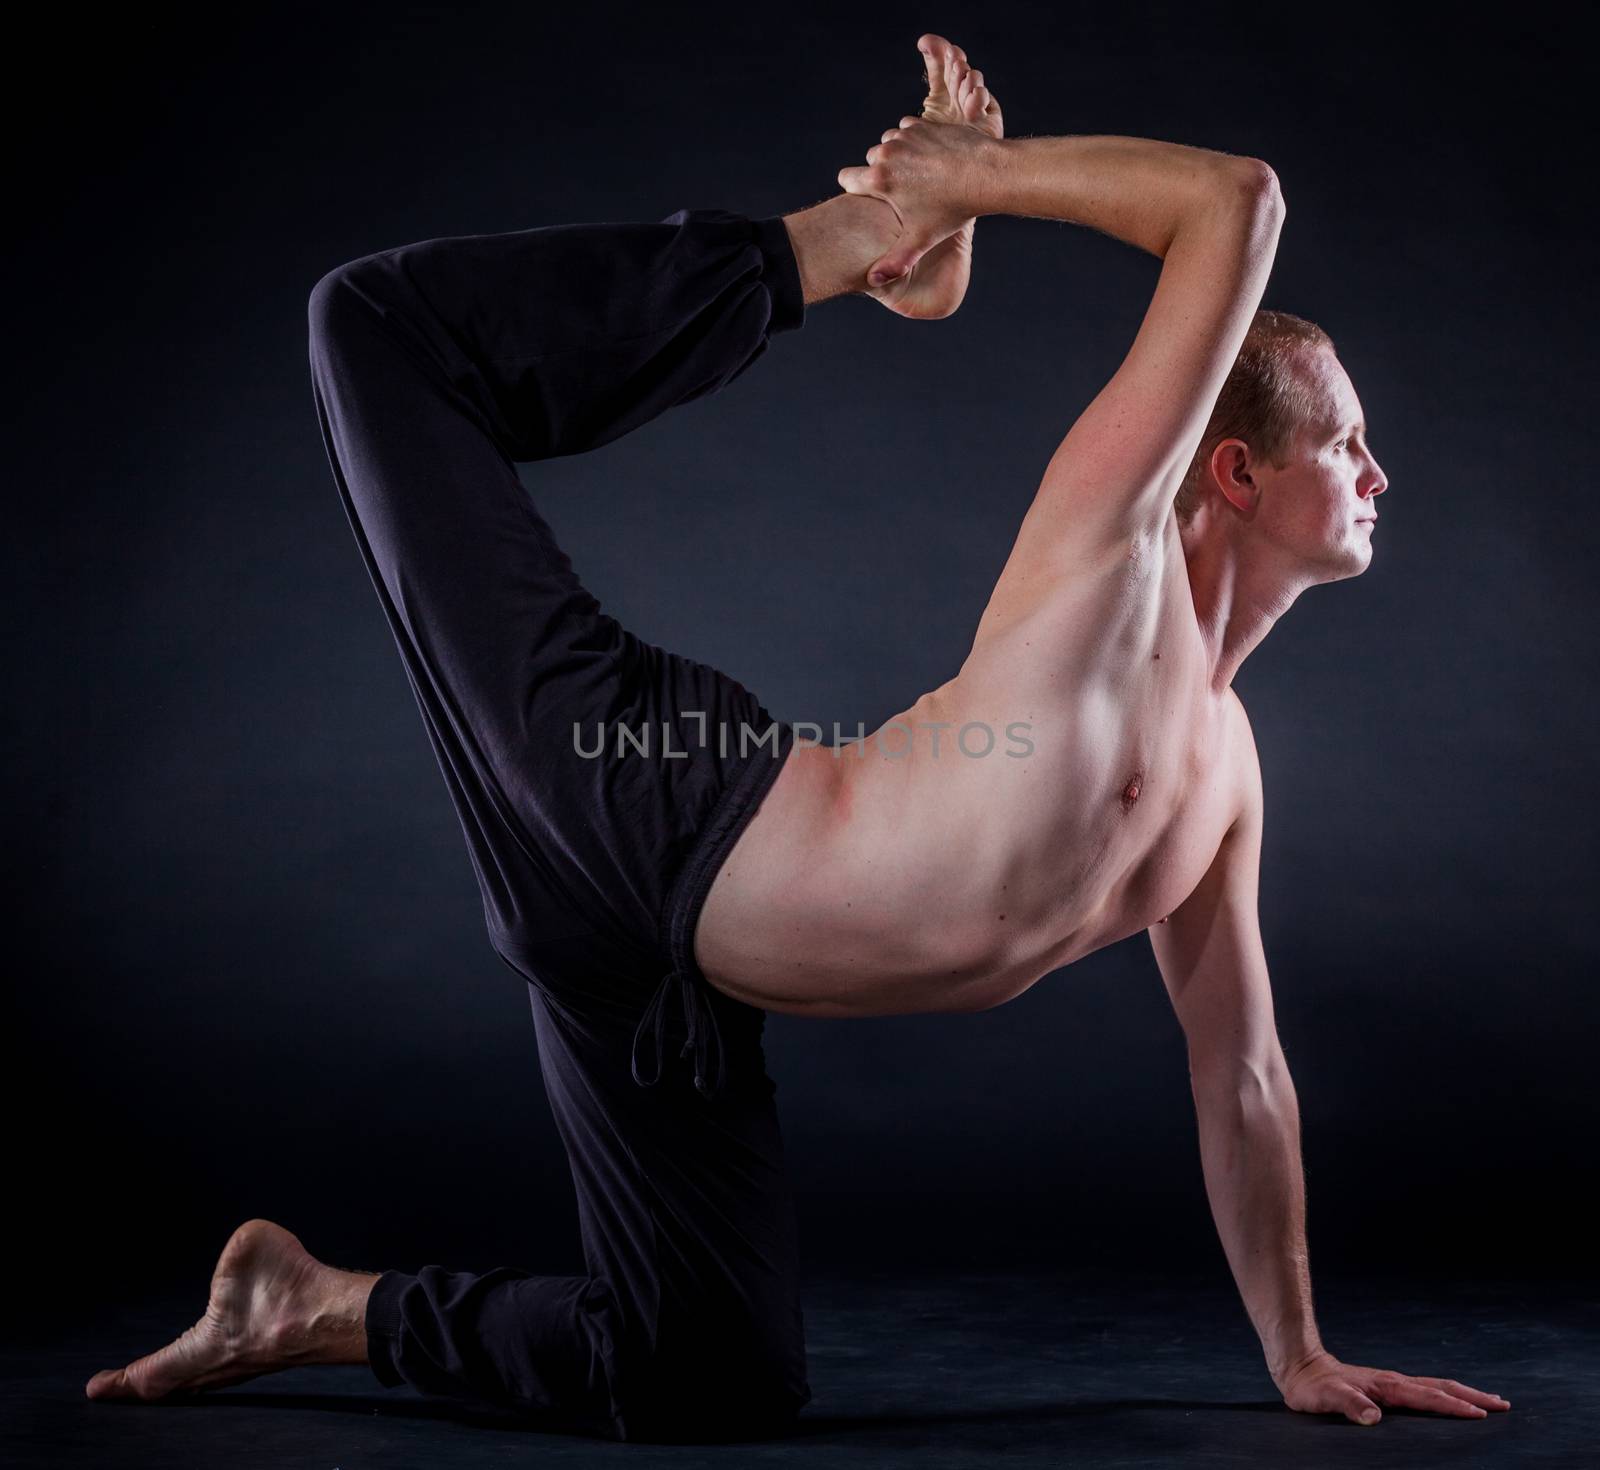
(334, 1316)
(836, 241)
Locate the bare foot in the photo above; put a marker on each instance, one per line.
(956, 93)
(937, 284)
(272, 1306)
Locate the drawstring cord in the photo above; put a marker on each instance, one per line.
(700, 1022)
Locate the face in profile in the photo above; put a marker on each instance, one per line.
(1320, 509)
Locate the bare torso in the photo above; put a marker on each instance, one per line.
(885, 878)
(877, 882)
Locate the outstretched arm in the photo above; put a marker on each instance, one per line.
(1214, 966)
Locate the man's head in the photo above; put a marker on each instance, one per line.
(1284, 467)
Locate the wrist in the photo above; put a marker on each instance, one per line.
(1284, 1362)
(984, 189)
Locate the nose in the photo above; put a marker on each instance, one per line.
(1375, 484)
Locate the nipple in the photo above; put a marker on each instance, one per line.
(1130, 792)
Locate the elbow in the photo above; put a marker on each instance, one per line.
(1253, 1079)
(1258, 189)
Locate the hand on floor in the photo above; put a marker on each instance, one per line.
(1324, 1385)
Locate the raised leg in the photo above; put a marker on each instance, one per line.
(436, 368)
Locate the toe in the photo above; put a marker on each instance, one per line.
(956, 77)
(109, 1383)
(933, 59)
(186, 1362)
(975, 95)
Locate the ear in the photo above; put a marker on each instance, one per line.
(1230, 466)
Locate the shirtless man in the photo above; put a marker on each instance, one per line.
(1223, 469)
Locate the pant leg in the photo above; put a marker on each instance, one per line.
(689, 1322)
(437, 367)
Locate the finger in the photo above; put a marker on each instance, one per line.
(896, 262)
(909, 122)
(1412, 1393)
(1357, 1407)
(861, 181)
(1471, 1395)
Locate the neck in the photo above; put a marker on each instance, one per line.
(1237, 598)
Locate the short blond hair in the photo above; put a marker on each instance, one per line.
(1265, 398)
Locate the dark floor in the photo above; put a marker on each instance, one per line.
(958, 1369)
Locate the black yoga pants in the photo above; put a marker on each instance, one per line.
(437, 368)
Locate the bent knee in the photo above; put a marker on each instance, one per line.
(722, 1379)
(335, 307)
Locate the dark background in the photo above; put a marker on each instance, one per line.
(251, 973)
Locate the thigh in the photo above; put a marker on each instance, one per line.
(503, 646)
(516, 669)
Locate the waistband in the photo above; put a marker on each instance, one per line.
(684, 981)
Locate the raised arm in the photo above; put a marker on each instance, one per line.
(1215, 969)
(1212, 218)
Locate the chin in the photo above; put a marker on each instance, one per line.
(1342, 562)
(1356, 562)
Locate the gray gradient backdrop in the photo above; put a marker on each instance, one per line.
(252, 970)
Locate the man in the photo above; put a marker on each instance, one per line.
(663, 863)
